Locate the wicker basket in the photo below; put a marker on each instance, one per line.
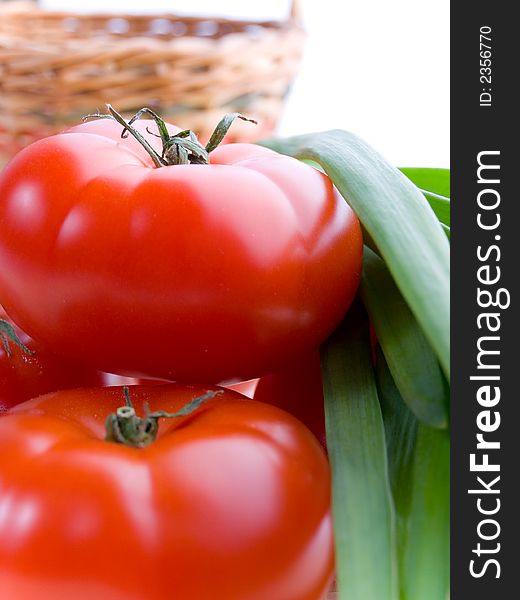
(57, 67)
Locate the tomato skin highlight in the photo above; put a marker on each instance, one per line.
(190, 272)
(212, 509)
(24, 376)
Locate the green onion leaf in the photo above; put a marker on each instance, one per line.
(411, 360)
(364, 525)
(432, 180)
(400, 431)
(440, 206)
(399, 220)
(401, 434)
(418, 459)
(435, 185)
(426, 550)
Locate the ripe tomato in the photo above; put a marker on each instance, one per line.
(188, 272)
(297, 389)
(230, 503)
(24, 376)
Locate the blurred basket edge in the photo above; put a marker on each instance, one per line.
(56, 67)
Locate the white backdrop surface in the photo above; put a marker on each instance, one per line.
(378, 68)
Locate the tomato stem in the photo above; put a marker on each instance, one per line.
(7, 333)
(183, 148)
(127, 127)
(125, 427)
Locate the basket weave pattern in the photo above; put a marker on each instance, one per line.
(57, 67)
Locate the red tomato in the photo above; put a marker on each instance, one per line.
(24, 376)
(229, 503)
(188, 272)
(298, 389)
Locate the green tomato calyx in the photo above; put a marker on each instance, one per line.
(183, 148)
(125, 427)
(8, 334)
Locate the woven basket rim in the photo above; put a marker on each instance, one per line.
(52, 73)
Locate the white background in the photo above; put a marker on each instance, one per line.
(379, 68)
